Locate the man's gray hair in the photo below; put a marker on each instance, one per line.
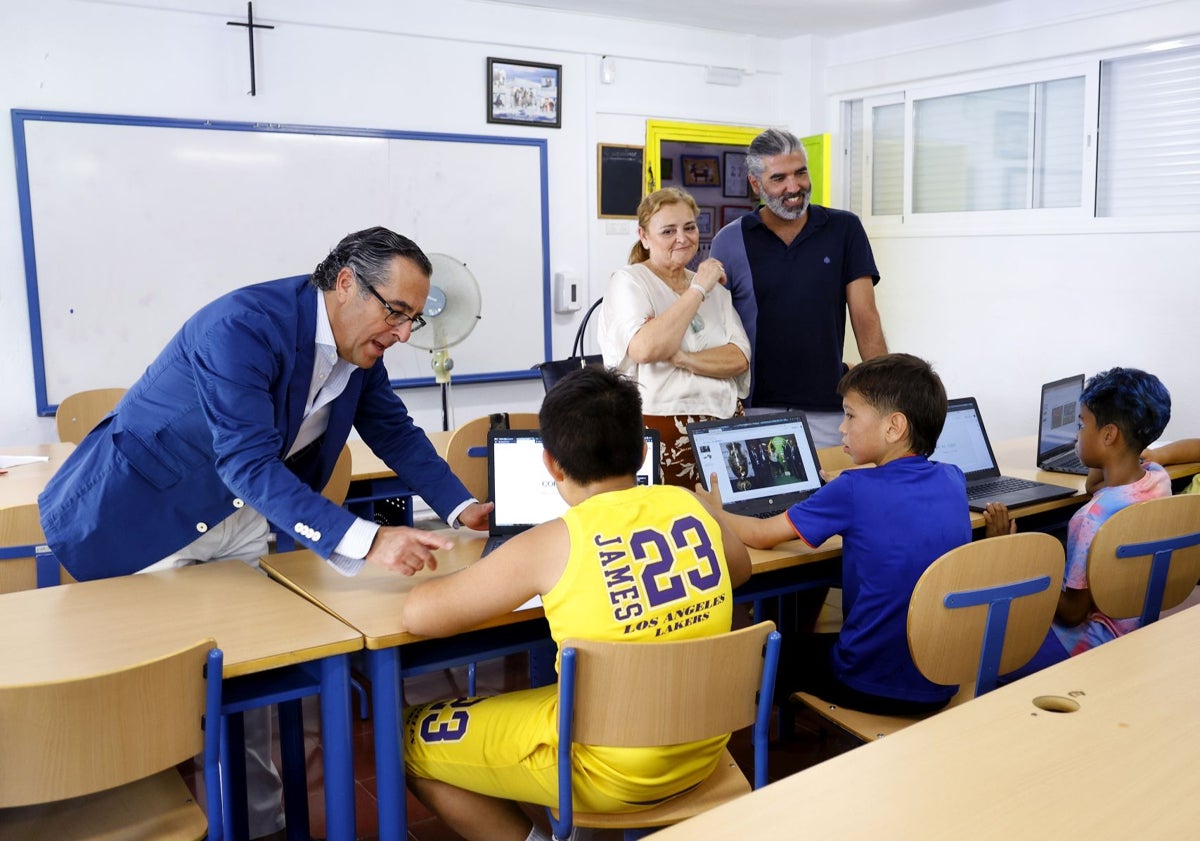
(369, 255)
(772, 142)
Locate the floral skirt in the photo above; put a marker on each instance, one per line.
(677, 462)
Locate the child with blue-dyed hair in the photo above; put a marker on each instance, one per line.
(1121, 412)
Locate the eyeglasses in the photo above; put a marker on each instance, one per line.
(395, 318)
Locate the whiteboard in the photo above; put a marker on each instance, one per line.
(131, 224)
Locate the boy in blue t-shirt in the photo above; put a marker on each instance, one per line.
(895, 520)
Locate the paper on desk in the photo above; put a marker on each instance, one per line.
(536, 601)
(17, 461)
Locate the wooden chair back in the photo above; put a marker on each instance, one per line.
(1146, 558)
(983, 609)
(977, 612)
(338, 486)
(466, 451)
(96, 756)
(79, 413)
(650, 694)
(20, 526)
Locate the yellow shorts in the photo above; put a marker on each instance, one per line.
(506, 746)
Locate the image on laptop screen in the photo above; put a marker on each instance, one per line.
(764, 463)
(1059, 416)
(521, 488)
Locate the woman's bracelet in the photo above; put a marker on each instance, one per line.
(700, 289)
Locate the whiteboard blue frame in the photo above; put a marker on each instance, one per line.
(21, 116)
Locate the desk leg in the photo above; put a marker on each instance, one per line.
(336, 744)
(383, 667)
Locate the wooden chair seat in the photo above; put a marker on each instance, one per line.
(156, 808)
(725, 783)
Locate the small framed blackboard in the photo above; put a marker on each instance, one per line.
(620, 180)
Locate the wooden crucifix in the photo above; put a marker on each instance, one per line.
(250, 27)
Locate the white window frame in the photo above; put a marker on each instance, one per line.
(1080, 219)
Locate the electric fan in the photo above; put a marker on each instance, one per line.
(451, 312)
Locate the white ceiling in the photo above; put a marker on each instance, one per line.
(767, 18)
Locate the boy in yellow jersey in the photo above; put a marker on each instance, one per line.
(625, 562)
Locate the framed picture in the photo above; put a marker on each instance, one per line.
(700, 170)
(706, 218)
(668, 169)
(735, 184)
(524, 93)
(729, 212)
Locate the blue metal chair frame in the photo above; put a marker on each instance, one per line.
(213, 690)
(1159, 567)
(999, 601)
(47, 564)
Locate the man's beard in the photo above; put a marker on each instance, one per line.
(776, 205)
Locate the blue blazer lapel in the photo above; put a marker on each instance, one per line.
(306, 334)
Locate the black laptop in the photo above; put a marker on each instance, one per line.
(1058, 422)
(964, 442)
(764, 463)
(522, 490)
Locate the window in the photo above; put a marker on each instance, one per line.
(1007, 148)
(1106, 137)
(887, 159)
(1148, 159)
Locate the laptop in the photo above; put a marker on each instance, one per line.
(1056, 427)
(964, 442)
(764, 463)
(522, 490)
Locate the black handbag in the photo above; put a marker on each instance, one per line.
(555, 370)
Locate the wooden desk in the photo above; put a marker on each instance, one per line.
(58, 632)
(21, 485)
(998, 767)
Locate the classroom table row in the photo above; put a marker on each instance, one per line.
(1102, 745)
(367, 612)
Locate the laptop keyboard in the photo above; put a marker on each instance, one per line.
(1000, 485)
(1069, 461)
(766, 515)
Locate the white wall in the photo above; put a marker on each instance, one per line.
(1118, 298)
(998, 313)
(393, 64)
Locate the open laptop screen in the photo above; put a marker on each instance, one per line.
(1060, 413)
(963, 441)
(757, 458)
(521, 488)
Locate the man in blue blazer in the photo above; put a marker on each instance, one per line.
(229, 417)
(239, 421)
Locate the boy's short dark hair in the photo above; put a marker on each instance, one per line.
(591, 422)
(901, 382)
(1137, 403)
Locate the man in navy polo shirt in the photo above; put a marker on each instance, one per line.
(794, 269)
